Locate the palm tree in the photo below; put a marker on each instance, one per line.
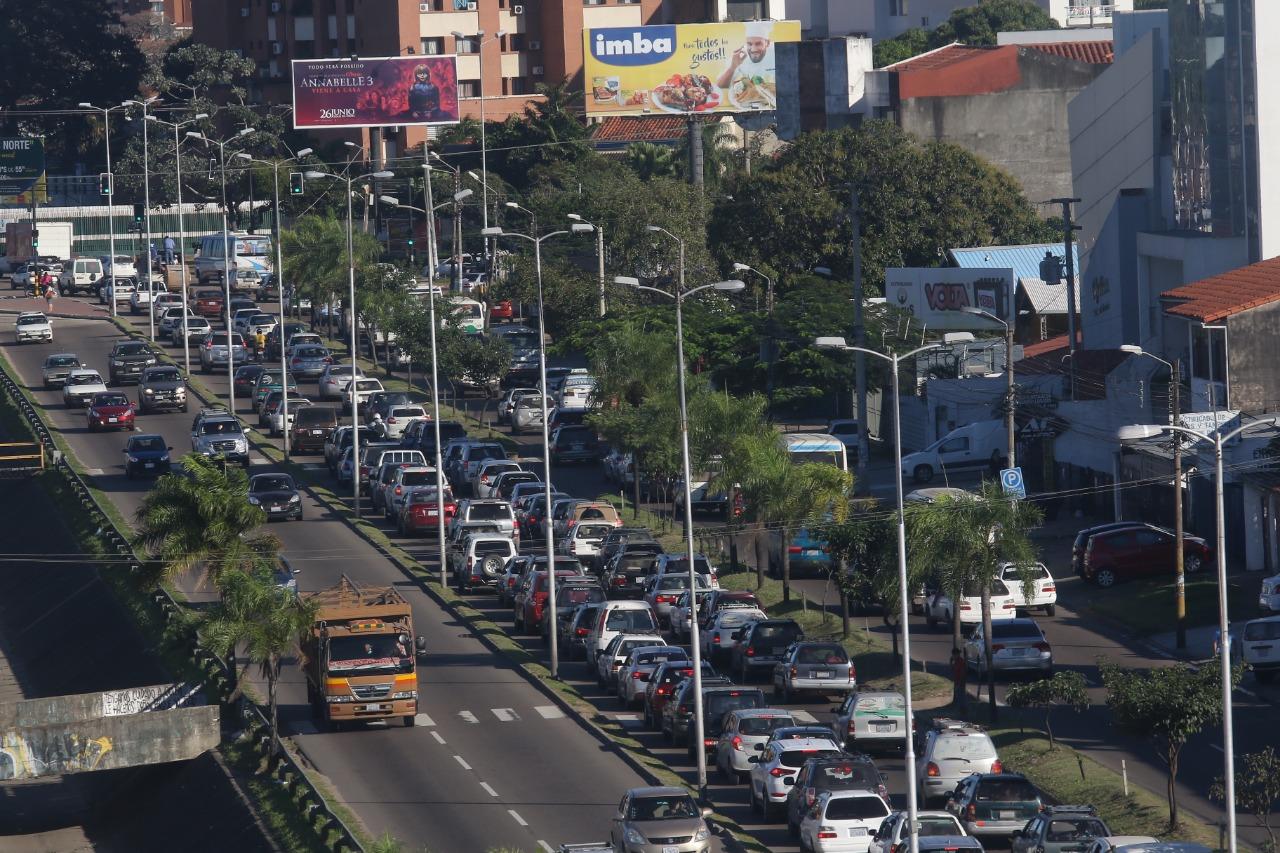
(202, 517)
(650, 161)
(266, 618)
(963, 539)
(315, 253)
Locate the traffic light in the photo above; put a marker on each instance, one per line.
(295, 183)
(35, 240)
(104, 183)
(410, 242)
(139, 214)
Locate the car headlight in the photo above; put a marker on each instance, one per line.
(295, 499)
(147, 391)
(405, 694)
(133, 459)
(117, 363)
(702, 834)
(633, 836)
(254, 500)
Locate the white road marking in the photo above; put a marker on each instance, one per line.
(545, 846)
(804, 717)
(460, 760)
(95, 472)
(517, 817)
(438, 738)
(468, 717)
(488, 789)
(506, 715)
(626, 718)
(549, 712)
(423, 720)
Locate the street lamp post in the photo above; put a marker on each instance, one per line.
(904, 600)
(496, 232)
(1008, 378)
(678, 296)
(772, 337)
(111, 193)
(146, 211)
(226, 254)
(182, 235)
(284, 362)
(1180, 582)
(583, 226)
(1218, 440)
(349, 180)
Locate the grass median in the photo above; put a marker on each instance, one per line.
(1146, 607)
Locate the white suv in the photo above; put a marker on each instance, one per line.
(1044, 590)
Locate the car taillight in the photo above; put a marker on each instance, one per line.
(794, 549)
(399, 490)
(662, 690)
(737, 743)
(853, 672)
(1048, 588)
(778, 772)
(620, 581)
(795, 671)
(715, 639)
(1042, 647)
(708, 741)
(996, 767)
(581, 632)
(964, 605)
(826, 832)
(931, 769)
(751, 652)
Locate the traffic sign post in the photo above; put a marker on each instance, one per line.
(1012, 483)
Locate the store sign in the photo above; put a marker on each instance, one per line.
(21, 164)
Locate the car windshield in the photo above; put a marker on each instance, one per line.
(937, 826)
(261, 319)
(630, 620)
(879, 704)
(85, 379)
(681, 566)
(111, 400)
(1006, 790)
(31, 320)
(151, 442)
(164, 376)
(671, 807)
(1074, 829)
(272, 483)
(846, 775)
(62, 361)
(132, 349)
(368, 654)
(797, 757)
(964, 746)
(822, 654)
(762, 725)
(219, 427)
(856, 808)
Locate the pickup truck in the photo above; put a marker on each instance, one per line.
(145, 292)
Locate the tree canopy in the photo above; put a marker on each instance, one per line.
(973, 25)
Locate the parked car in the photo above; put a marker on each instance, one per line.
(871, 719)
(952, 750)
(979, 445)
(146, 455)
(833, 773)
(1141, 551)
(1259, 647)
(842, 821)
(1269, 595)
(813, 667)
(1044, 590)
(994, 805)
(1060, 829)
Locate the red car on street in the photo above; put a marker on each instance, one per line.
(111, 410)
(502, 311)
(420, 515)
(209, 303)
(662, 686)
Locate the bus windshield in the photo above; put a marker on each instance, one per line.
(256, 246)
(805, 448)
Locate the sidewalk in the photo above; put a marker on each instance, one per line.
(66, 307)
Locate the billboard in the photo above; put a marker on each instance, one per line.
(684, 68)
(937, 296)
(375, 91)
(21, 164)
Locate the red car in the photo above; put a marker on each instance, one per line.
(535, 602)
(209, 303)
(502, 311)
(1143, 550)
(420, 515)
(111, 410)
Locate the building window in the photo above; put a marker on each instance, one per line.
(468, 88)
(432, 46)
(593, 2)
(515, 42)
(515, 86)
(466, 45)
(304, 49)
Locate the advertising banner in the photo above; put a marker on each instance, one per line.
(375, 91)
(21, 164)
(937, 296)
(684, 68)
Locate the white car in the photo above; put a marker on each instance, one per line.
(398, 419)
(582, 540)
(842, 822)
(335, 379)
(1269, 595)
(774, 769)
(33, 326)
(486, 475)
(80, 387)
(932, 824)
(1259, 647)
(275, 421)
(720, 637)
(145, 293)
(1044, 589)
(610, 660)
(116, 290)
(939, 608)
(161, 302)
(240, 320)
(682, 614)
(365, 388)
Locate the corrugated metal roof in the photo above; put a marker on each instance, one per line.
(1048, 298)
(1023, 260)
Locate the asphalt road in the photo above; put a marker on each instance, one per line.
(474, 773)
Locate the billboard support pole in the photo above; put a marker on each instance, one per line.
(695, 152)
(859, 340)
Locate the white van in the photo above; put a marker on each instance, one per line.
(977, 445)
(79, 275)
(468, 313)
(248, 257)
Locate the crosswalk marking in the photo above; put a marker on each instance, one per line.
(549, 712)
(804, 717)
(506, 715)
(423, 720)
(468, 717)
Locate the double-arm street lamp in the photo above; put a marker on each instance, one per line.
(1218, 439)
(284, 361)
(227, 272)
(111, 193)
(904, 598)
(182, 235)
(678, 296)
(146, 210)
(584, 226)
(353, 388)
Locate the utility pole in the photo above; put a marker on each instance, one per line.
(1074, 326)
(695, 152)
(1011, 394)
(859, 340)
(457, 234)
(1180, 583)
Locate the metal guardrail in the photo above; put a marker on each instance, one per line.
(284, 769)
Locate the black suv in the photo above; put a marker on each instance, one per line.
(127, 361)
(629, 575)
(853, 772)
(762, 644)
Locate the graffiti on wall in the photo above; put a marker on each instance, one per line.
(31, 753)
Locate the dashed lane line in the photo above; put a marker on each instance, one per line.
(549, 712)
(438, 737)
(516, 815)
(462, 761)
(488, 789)
(506, 715)
(468, 717)
(423, 720)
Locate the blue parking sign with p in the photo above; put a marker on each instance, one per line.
(1012, 483)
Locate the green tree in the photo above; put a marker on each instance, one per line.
(315, 259)
(202, 518)
(268, 620)
(913, 42)
(1257, 789)
(961, 540)
(1063, 688)
(975, 25)
(650, 160)
(1168, 704)
(867, 546)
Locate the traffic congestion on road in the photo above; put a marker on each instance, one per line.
(799, 752)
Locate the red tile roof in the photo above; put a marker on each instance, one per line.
(640, 129)
(957, 70)
(1089, 52)
(939, 57)
(1212, 299)
(1047, 346)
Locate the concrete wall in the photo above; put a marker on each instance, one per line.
(1023, 129)
(1252, 367)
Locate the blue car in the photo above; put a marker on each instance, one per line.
(146, 455)
(809, 553)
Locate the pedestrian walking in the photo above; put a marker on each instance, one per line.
(959, 677)
(168, 249)
(49, 294)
